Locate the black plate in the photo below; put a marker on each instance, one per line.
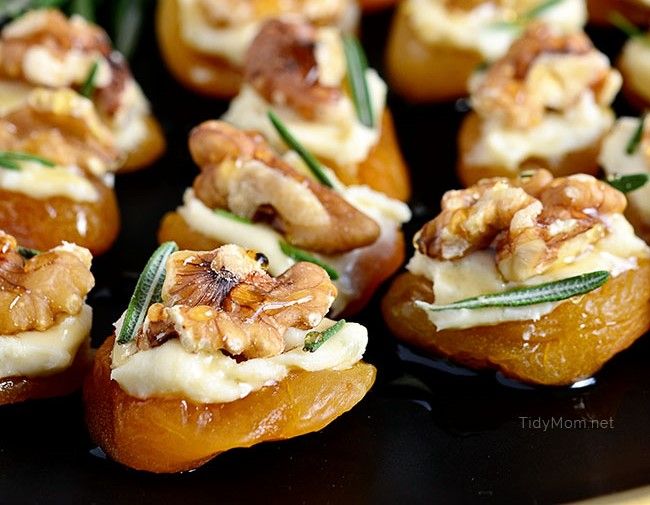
(422, 433)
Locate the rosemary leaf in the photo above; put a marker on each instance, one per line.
(635, 140)
(127, 25)
(10, 159)
(88, 87)
(291, 141)
(230, 215)
(357, 65)
(627, 183)
(314, 339)
(147, 291)
(626, 26)
(84, 8)
(539, 9)
(300, 255)
(530, 295)
(28, 253)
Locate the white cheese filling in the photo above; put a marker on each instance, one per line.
(615, 161)
(37, 353)
(557, 135)
(635, 59)
(38, 181)
(169, 370)
(339, 137)
(480, 29)
(231, 41)
(129, 124)
(477, 274)
(13, 95)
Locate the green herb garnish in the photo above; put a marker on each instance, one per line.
(88, 87)
(230, 215)
(11, 159)
(28, 253)
(300, 255)
(314, 339)
(527, 16)
(635, 140)
(627, 183)
(311, 162)
(357, 64)
(626, 26)
(519, 297)
(85, 8)
(147, 291)
(10, 9)
(127, 22)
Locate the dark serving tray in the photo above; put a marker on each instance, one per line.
(427, 432)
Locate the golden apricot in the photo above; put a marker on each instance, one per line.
(571, 343)
(148, 150)
(166, 435)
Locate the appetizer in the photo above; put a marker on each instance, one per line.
(634, 64)
(435, 45)
(248, 195)
(541, 278)
(204, 42)
(214, 353)
(318, 84)
(625, 158)
(546, 103)
(44, 320)
(44, 49)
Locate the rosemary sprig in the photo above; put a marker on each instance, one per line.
(530, 295)
(314, 339)
(10, 159)
(147, 291)
(88, 87)
(527, 16)
(230, 215)
(627, 183)
(127, 21)
(357, 64)
(626, 26)
(300, 255)
(635, 140)
(28, 253)
(291, 141)
(85, 8)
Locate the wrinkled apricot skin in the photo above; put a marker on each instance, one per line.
(150, 149)
(422, 72)
(44, 223)
(600, 11)
(571, 343)
(370, 271)
(583, 161)
(167, 435)
(220, 79)
(20, 389)
(384, 169)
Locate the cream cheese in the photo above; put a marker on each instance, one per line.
(615, 161)
(169, 370)
(481, 29)
(38, 353)
(477, 274)
(558, 134)
(38, 181)
(339, 137)
(13, 95)
(635, 59)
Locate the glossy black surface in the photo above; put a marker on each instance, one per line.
(422, 434)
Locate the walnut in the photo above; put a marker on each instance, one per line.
(543, 71)
(62, 126)
(224, 300)
(72, 45)
(281, 65)
(240, 172)
(35, 292)
(531, 222)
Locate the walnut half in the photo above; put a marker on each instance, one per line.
(224, 300)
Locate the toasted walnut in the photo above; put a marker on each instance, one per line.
(44, 48)
(543, 71)
(61, 126)
(532, 221)
(224, 300)
(240, 172)
(34, 292)
(281, 65)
